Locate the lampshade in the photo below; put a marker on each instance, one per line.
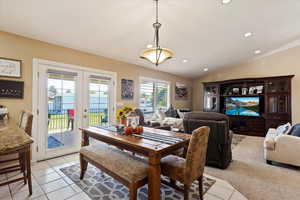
(156, 55)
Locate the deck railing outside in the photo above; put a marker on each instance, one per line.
(63, 120)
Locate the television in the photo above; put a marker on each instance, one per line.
(242, 106)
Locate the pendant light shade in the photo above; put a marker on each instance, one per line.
(157, 54)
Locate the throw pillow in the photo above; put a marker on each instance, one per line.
(295, 130)
(180, 114)
(171, 112)
(161, 115)
(283, 129)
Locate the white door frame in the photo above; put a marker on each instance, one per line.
(35, 96)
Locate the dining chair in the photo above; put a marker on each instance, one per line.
(18, 157)
(187, 170)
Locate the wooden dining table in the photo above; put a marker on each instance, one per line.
(154, 150)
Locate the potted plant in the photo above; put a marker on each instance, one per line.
(123, 113)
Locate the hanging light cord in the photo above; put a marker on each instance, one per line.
(156, 11)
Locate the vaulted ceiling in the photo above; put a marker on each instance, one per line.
(207, 33)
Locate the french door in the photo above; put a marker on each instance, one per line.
(68, 99)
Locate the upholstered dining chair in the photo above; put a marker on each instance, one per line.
(187, 170)
(17, 156)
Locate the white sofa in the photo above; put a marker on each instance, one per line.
(282, 148)
(159, 117)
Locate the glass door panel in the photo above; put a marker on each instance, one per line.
(61, 110)
(98, 108)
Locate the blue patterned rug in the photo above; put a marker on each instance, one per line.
(100, 186)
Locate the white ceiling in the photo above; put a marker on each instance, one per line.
(206, 32)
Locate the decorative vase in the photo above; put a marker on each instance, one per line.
(123, 121)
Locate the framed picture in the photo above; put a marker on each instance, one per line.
(244, 91)
(181, 91)
(236, 91)
(127, 89)
(11, 89)
(259, 89)
(10, 67)
(252, 90)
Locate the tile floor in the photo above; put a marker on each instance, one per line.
(49, 183)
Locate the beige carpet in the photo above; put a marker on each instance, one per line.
(256, 180)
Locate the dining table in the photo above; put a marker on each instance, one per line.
(153, 144)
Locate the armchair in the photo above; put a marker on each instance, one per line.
(219, 143)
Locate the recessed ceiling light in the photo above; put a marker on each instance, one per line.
(248, 34)
(149, 46)
(226, 1)
(205, 69)
(258, 51)
(184, 60)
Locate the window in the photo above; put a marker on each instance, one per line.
(154, 95)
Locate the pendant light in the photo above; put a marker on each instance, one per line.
(156, 54)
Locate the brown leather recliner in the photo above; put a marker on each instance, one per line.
(219, 144)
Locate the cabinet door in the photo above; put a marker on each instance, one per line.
(211, 98)
(283, 101)
(272, 102)
(278, 85)
(278, 104)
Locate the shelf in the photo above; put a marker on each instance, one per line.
(247, 95)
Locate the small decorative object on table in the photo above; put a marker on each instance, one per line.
(129, 130)
(3, 112)
(133, 119)
(120, 128)
(123, 113)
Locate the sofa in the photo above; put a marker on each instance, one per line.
(172, 118)
(219, 143)
(282, 147)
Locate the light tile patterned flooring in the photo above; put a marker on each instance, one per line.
(49, 183)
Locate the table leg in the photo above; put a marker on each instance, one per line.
(85, 139)
(28, 168)
(154, 177)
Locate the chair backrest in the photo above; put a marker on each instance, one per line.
(25, 121)
(196, 154)
(140, 113)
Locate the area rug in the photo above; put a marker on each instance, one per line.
(236, 139)
(256, 180)
(98, 185)
(53, 142)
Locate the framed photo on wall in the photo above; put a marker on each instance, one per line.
(127, 89)
(181, 91)
(10, 68)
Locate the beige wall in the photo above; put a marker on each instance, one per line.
(25, 49)
(283, 63)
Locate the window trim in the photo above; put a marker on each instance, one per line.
(142, 79)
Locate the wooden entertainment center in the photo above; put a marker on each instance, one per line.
(268, 104)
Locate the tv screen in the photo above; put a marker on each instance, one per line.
(243, 106)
